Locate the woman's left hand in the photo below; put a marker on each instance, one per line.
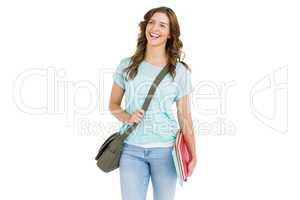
(191, 167)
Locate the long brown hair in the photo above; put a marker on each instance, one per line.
(173, 45)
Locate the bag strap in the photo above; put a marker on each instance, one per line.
(148, 99)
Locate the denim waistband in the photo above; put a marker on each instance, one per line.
(135, 147)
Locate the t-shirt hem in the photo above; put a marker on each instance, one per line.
(152, 145)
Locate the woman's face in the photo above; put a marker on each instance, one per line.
(158, 29)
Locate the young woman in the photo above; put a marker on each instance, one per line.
(147, 151)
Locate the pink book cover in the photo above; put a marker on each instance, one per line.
(182, 155)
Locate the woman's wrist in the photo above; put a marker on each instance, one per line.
(121, 115)
(125, 117)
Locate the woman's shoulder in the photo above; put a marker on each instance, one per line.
(182, 69)
(125, 62)
(182, 65)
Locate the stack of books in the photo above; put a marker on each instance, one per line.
(181, 158)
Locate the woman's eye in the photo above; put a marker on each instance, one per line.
(163, 26)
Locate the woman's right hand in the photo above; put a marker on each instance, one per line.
(136, 117)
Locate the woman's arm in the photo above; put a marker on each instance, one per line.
(116, 96)
(186, 124)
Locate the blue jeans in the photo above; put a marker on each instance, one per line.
(138, 164)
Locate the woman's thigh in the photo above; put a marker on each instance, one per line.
(163, 173)
(134, 174)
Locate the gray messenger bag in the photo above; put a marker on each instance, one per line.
(108, 156)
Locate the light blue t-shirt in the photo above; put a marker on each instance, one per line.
(158, 128)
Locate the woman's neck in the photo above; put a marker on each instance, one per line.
(156, 55)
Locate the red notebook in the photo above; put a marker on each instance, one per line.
(181, 157)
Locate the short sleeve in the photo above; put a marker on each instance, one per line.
(184, 84)
(118, 75)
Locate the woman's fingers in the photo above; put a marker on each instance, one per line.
(142, 111)
(140, 115)
(137, 116)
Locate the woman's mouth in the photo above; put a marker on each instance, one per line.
(154, 35)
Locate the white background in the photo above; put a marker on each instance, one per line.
(249, 43)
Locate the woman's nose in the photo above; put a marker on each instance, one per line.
(155, 28)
